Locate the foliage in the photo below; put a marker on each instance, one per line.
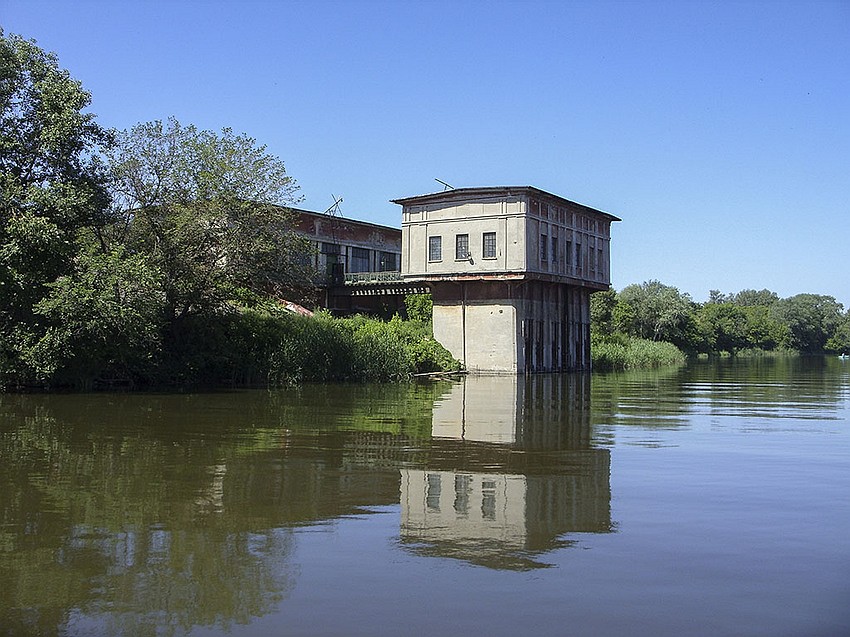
(633, 353)
(209, 210)
(745, 298)
(751, 320)
(655, 311)
(811, 319)
(602, 308)
(257, 347)
(51, 185)
(419, 307)
(104, 319)
(839, 342)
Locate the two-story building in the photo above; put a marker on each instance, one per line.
(510, 270)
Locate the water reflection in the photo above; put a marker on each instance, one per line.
(510, 473)
(155, 514)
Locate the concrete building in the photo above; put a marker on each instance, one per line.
(510, 270)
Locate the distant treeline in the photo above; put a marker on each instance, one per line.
(742, 323)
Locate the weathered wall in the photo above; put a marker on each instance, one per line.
(528, 326)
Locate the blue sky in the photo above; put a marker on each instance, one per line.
(718, 131)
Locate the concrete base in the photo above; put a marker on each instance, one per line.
(513, 327)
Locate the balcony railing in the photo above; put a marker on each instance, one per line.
(366, 278)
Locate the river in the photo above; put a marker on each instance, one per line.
(711, 499)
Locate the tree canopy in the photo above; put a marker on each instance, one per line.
(108, 240)
(52, 184)
(211, 212)
(747, 320)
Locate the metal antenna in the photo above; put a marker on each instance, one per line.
(334, 209)
(447, 186)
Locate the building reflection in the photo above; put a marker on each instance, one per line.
(510, 474)
(109, 500)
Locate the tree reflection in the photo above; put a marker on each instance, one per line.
(154, 514)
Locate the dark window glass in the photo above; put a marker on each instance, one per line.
(435, 248)
(489, 245)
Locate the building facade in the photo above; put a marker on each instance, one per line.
(346, 246)
(510, 270)
(348, 256)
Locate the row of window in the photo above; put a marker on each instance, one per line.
(488, 247)
(361, 259)
(549, 250)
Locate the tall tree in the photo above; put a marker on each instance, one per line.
(656, 311)
(811, 318)
(211, 210)
(51, 183)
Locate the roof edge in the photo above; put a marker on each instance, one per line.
(457, 193)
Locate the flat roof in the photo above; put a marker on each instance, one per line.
(495, 191)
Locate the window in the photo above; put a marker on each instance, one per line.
(388, 262)
(359, 260)
(433, 492)
(463, 487)
(488, 499)
(544, 246)
(554, 249)
(462, 246)
(435, 248)
(568, 255)
(578, 256)
(488, 250)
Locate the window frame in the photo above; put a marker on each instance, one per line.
(462, 239)
(488, 250)
(435, 248)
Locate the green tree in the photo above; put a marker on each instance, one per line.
(210, 210)
(812, 319)
(51, 185)
(839, 342)
(657, 312)
(104, 322)
(722, 327)
(602, 306)
(763, 331)
(753, 298)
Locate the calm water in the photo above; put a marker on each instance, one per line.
(708, 500)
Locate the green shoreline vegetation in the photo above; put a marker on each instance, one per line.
(160, 256)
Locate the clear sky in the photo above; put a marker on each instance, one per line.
(718, 131)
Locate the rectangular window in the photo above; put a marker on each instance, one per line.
(359, 260)
(544, 247)
(435, 248)
(433, 492)
(578, 256)
(388, 262)
(568, 255)
(554, 249)
(488, 250)
(462, 246)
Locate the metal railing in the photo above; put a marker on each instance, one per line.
(365, 278)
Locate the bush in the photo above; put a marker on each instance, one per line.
(622, 352)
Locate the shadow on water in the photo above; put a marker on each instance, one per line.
(158, 513)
